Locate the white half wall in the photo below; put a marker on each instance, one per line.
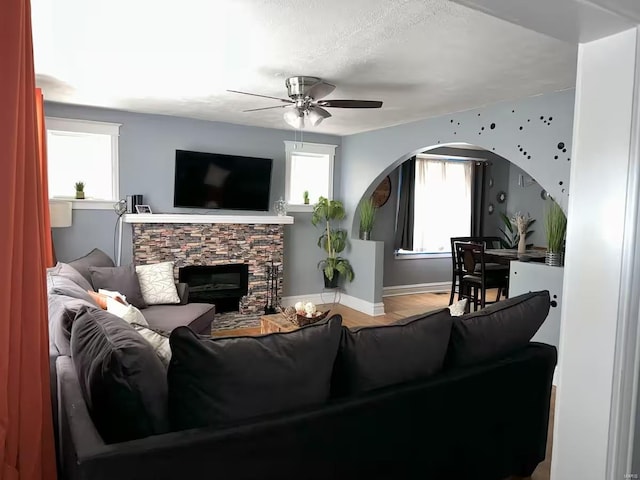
(595, 249)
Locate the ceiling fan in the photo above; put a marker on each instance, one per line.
(304, 98)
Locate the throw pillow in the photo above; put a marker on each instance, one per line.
(157, 283)
(121, 279)
(62, 313)
(63, 285)
(66, 270)
(122, 380)
(95, 258)
(135, 318)
(375, 357)
(457, 309)
(218, 381)
(498, 329)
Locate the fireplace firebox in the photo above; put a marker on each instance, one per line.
(223, 285)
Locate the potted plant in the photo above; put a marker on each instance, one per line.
(79, 190)
(511, 231)
(305, 197)
(367, 218)
(333, 241)
(556, 228)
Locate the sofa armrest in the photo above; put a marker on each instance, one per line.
(183, 292)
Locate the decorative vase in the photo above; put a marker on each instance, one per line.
(333, 283)
(280, 206)
(79, 195)
(364, 235)
(522, 244)
(554, 259)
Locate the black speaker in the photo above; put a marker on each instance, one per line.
(132, 201)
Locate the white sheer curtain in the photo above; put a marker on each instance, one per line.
(442, 204)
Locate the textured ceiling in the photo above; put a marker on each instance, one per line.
(422, 58)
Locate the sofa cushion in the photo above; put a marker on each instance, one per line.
(66, 270)
(62, 313)
(120, 279)
(374, 357)
(498, 329)
(217, 381)
(157, 283)
(95, 258)
(123, 381)
(196, 316)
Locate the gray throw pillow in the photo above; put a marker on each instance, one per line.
(498, 329)
(218, 381)
(380, 356)
(123, 382)
(66, 270)
(120, 279)
(61, 285)
(95, 258)
(62, 313)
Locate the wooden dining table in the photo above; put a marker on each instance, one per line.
(505, 255)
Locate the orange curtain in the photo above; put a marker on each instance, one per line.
(26, 434)
(45, 225)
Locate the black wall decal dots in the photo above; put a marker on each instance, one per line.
(560, 145)
(492, 126)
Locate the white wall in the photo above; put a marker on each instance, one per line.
(600, 169)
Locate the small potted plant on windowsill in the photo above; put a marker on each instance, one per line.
(367, 218)
(305, 197)
(79, 190)
(333, 241)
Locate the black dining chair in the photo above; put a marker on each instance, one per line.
(475, 278)
(494, 268)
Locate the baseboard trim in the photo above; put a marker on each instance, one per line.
(369, 308)
(416, 288)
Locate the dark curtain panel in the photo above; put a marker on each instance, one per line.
(477, 199)
(404, 220)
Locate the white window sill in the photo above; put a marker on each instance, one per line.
(87, 204)
(421, 256)
(299, 208)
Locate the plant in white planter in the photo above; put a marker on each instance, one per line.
(333, 241)
(79, 190)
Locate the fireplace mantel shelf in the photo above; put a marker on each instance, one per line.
(188, 218)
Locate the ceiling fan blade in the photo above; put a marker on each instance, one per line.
(320, 89)
(286, 100)
(350, 103)
(265, 108)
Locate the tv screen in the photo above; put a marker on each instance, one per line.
(212, 180)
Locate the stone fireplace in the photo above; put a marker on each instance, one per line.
(212, 240)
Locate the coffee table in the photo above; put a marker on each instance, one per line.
(276, 323)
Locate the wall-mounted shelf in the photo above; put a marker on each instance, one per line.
(189, 218)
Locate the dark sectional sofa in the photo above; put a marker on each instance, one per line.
(431, 397)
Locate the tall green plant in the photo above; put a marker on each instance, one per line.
(367, 215)
(556, 227)
(333, 239)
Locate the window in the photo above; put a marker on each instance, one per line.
(309, 168)
(442, 204)
(83, 151)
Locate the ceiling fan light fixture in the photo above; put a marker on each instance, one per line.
(316, 115)
(295, 118)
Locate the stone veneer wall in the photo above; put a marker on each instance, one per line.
(215, 244)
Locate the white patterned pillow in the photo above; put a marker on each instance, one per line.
(157, 283)
(457, 309)
(135, 318)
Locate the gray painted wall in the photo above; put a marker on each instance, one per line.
(527, 131)
(147, 153)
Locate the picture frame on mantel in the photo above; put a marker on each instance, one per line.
(143, 209)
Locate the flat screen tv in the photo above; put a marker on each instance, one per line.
(212, 180)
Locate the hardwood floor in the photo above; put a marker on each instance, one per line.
(403, 306)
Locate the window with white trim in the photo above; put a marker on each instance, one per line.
(309, 168)
(442, 204)
(83, 151)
